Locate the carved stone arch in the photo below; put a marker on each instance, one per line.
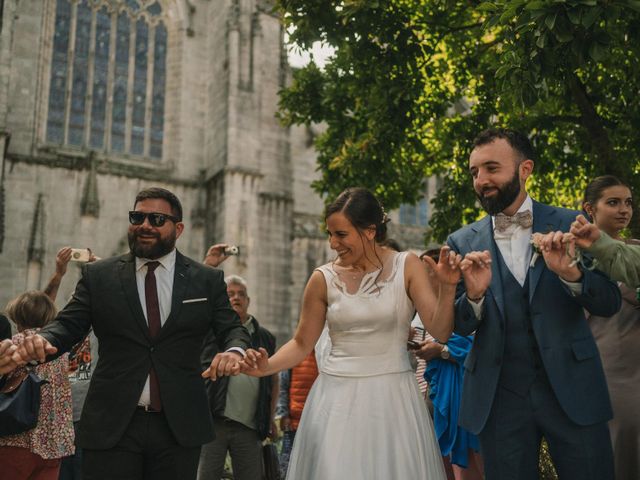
(183, 12)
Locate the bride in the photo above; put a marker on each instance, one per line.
(364, 418)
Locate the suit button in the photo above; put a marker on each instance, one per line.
(151, 349)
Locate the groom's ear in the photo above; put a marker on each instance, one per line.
(525, 169)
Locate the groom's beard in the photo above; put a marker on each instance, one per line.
(506, 195)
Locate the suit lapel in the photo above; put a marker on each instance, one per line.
(127, 274)
(483, 240)
(180, 284)
(545, 220)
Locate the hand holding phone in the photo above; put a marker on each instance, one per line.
(80, 255)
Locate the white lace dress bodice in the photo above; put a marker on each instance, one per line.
(369, 328)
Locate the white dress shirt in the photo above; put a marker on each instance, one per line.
(164, 283)
(515, 244)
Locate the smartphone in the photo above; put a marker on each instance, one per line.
(413, 345)
(232, 250)
(80, 254)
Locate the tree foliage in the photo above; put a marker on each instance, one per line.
(413, 81)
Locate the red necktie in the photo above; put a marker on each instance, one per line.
(153, 318)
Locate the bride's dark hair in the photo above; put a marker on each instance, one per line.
(362, 209)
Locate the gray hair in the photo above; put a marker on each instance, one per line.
(236, 280)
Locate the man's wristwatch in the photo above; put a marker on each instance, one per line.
(476, 299)
(444, 354)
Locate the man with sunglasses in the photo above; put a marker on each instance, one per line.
(146, 413)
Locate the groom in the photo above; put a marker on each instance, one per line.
(534, 370)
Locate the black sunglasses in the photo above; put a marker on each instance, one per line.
(155, 219)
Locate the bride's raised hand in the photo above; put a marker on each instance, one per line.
(447, 270)
(476, 271)
(255, 363)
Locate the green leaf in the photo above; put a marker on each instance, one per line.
(535, 5)
(632, 4)
(574, 15)
(541, 41)
(487, 7)
(550, 20)
(563, 36)
(598, 51)
(507, 15)
(590, 16)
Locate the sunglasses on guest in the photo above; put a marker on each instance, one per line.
(155, 219)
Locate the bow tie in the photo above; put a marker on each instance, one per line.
(523, 219)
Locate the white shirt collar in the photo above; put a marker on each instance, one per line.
(526, 205)
(168, 261)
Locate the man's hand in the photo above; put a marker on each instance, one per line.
(7, 363)
(62, 260)
(447, 269)
(585, 233)
(223, 364)
(476, 271)
(559, 251)
(429, 350)
(33, 348)
(215, 255)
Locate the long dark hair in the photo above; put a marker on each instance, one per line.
(362, 209)
(594, 190)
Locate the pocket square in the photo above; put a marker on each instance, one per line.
(195, 300)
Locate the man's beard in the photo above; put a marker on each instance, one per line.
(157, 250)
(507, 193)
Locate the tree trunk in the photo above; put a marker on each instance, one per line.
(603, 153)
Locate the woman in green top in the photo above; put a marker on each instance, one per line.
(617, 258)
(608, 202)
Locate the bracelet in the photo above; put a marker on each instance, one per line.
(475, 300)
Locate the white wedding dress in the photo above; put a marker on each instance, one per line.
(364, 418)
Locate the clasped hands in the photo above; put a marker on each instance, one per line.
(559, 248)
(36, 348)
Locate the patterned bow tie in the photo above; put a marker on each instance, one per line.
(503, 222)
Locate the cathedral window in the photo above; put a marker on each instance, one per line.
(108, 76)
(416, 214)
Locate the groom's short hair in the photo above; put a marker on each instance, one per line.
(517, 140)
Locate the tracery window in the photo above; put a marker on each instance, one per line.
(417, 214)
(108, 76)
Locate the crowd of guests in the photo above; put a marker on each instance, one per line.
(515, 360)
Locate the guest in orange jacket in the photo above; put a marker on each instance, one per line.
(294, 388)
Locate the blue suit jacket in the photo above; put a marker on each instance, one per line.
(568, 350)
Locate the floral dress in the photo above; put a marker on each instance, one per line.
(53, 435)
